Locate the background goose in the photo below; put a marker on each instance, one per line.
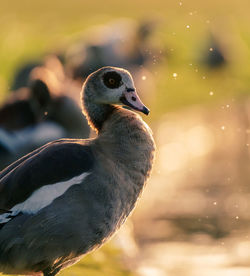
(68, 197)
(51, 62)
(215, 52)
(124, 43)
(35, 115)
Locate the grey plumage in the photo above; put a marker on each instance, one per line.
(89, 212)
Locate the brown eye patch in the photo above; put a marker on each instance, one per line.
(112, 80)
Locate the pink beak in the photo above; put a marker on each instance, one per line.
(131, 99)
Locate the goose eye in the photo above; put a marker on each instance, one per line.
(112, 79)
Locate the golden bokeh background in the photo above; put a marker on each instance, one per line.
(193, 218)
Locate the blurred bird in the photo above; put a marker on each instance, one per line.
(51, 62)
(35, 115)
(68, 197)
(22, 75)
(123, 43)
(214, 55)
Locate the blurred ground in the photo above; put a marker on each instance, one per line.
(193, 217)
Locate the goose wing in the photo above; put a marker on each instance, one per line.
(41, 176)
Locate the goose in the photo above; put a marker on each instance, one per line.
(35, 115)
(51, 61)
(124, 43)
(215, 53)
(68, 197)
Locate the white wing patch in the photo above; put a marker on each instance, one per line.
(42, 197)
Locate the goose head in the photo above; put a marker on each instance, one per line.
(112, 86)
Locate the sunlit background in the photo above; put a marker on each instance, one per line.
(191, 64)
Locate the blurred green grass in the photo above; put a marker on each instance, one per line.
(106, 261)
(30, 28)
